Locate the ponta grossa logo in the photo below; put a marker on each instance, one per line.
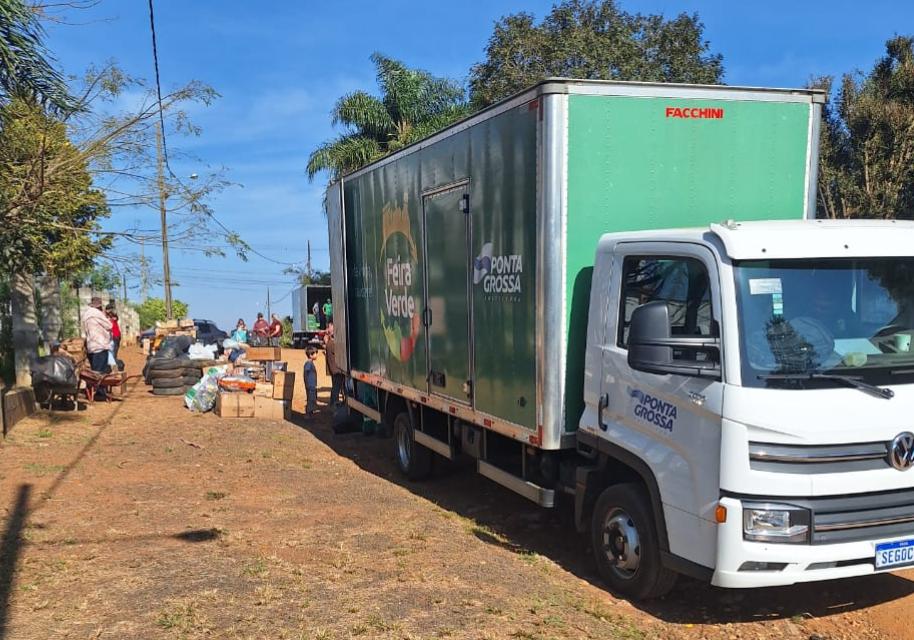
(653, 410)
(498, 273)
(400, 311)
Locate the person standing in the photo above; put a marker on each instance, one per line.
(311, 381)
(275, 330)
(328, 311)
(259, 331)
(337, 376)
(97, 330)
(111, 312)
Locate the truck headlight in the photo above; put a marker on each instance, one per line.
(775, 523)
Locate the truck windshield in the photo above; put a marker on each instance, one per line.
(845, 317)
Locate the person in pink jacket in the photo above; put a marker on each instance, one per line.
(97, 330)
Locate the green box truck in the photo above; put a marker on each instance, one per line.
(501, 291)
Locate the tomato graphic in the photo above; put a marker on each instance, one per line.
(407, 344)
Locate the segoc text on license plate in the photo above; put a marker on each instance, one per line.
(895, 554)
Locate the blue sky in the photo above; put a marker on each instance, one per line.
(281, 65)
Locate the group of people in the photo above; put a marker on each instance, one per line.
(323, 313)
(266, 334)
(103, 335)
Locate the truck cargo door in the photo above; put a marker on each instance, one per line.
(447, 273)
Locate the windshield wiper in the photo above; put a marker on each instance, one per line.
(879, 392)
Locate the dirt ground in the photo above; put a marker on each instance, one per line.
(138, 519)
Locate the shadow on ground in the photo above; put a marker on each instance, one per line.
(509, 521)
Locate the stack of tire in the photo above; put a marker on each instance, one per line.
(172, 376)
(170, 371)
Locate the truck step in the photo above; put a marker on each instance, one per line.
(540, 495)
(436, 445)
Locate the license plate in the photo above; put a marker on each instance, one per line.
(894, 554)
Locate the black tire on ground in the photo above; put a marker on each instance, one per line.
(169, 391)
(625, 543)
(414, 460)
(162, 374)
(168, 383)
(161, 364)
(190, 381)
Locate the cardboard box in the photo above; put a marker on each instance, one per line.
(263, 353)
(234, 404)
(186, 323)
(283, 385)
(263, 390)
(245, 405)
(270, 409)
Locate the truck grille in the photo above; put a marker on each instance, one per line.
(867, 516)
(806, 459)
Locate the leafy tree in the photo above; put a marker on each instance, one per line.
(592, 39)
(304, 276)
(153, 310)
(102, 278)
(26, 68)
(286, 339)
(866, 167)
(413, 104)
(49, 209)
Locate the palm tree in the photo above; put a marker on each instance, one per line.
(26, 68)
(413, 105)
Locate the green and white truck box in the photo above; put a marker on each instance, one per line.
(467, 257)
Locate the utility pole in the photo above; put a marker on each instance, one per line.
(163, 196)
(310, 273)
(269, 311)
(124, 282)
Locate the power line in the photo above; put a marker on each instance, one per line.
(155, 61)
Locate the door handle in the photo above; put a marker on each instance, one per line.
(602, 406)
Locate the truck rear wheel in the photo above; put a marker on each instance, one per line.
(414, 460)
(625, 544)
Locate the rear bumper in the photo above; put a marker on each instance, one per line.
(803, 562)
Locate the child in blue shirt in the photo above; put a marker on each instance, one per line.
(311, 381)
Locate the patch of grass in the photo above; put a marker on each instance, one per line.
(216, 495)
(400, 552)
(266, 454)
(321, 634)
(375, 621)
(182, 617)
(169, 449)
(257, 568)
(45, 433)
(359, 629)
(39, 469)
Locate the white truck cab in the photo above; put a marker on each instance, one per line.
(756, 381)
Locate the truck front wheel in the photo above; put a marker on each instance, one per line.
(414, 460)
(624, 540)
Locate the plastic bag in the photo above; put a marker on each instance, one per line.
(200, 351)
(174, 346)
(228, 343)
(202, 396)
(54, 370)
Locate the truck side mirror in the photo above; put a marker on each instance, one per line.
(651, 348)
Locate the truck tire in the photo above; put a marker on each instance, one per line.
(625, 544)
(414, 460)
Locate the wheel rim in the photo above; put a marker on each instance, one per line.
(404, 444)
(622, 544)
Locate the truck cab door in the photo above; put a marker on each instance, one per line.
(672, 422)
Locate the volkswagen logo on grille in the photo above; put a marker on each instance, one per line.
(901, 451)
